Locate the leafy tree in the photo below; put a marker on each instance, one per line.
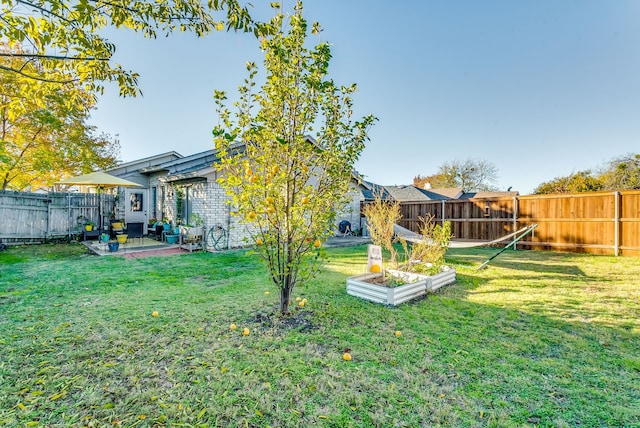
(287, 185)
(622, 173)
(64, 35)
(581, 181)
(43, 131)
(469, 174)
(422, 181)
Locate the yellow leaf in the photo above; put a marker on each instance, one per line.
(259, 413)
(201, 413)
(21, 406)
(57, 396)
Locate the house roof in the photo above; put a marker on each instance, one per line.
(445, 192)
(370, 190)
(409, 193)
(140, 165)
(470, 195)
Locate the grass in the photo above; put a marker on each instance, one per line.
(537, 339)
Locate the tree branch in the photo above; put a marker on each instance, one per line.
(42, 79)
(43, 10)
(62, 57)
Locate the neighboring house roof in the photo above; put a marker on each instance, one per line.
(409, 193)
(434, 196)
(445, 192)
(470, 195)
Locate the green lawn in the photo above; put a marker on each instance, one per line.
(536, 339)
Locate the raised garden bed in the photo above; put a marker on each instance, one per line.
(369, 286)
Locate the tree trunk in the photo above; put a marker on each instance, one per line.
(285, 297)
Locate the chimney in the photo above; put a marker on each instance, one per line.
(427, 186)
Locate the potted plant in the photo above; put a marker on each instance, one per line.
(423, 269)
(104, 237)
(88, 226)
(166, 224)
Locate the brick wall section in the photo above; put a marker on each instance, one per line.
(351, 211)
(215, 211)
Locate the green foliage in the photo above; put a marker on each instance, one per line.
(285, 183)
(44, 135)
(581, 181)
(620, 173)
(538, 339)
(65, 35)
(427, 255)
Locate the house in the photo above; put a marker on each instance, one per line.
(177, 187)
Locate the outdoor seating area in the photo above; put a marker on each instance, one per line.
(123, 244)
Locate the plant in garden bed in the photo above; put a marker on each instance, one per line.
(424, 256)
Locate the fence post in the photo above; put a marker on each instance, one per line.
(515, 218)
(616, 227)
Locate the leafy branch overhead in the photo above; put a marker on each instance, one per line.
(64, 36)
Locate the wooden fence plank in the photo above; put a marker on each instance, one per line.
(34, 217)
(599, 222)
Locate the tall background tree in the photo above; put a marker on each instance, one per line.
(622, 173)
(619, 173)
(44, 135)
(287, 186)
(581, 181)
(64, 35)
(469, 174)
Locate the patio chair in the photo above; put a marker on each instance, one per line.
(117, 228)
(135, 230)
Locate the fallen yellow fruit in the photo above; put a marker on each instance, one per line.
(154, 314)
(246, 332)
(233, 327)
(298, 299)
(375, 268)
(346, 356)
(266, 293)
(398, 333)
(301, 304)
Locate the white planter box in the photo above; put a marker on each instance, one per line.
(357, 286)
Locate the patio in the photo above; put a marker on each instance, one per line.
(140, 246)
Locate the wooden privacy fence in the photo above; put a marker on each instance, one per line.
(34, 217)
(601, 223)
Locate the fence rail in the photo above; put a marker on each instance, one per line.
(34, 217)
(601, 222)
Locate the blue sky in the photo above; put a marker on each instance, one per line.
(540, 88)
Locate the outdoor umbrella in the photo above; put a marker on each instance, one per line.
(99, 180)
